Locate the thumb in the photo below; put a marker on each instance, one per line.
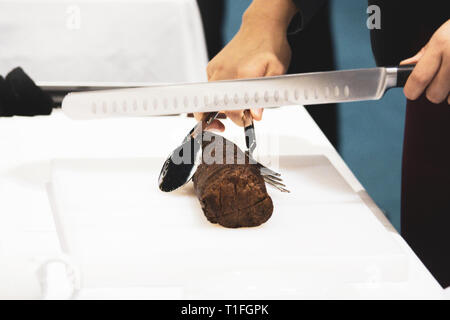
(216, 125)
(198, 116)
(256, 113)
(414, 59)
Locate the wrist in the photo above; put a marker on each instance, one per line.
(274, 14)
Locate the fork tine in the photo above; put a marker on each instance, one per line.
(272, 176)
(266, 171)
(276, 185)
(277, 182)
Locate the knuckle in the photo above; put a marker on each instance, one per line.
(446, 49)
(408, 94)
(434, 97)
(419, 79)
(278, 69)
(244, 71)
(233, 113)
(270, 56)
(218, 68)
(439, 40)
(209, 68)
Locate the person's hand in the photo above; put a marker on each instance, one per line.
(259, 49)
(432, 71)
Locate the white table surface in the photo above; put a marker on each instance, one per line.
(63, 51)
(28, 145)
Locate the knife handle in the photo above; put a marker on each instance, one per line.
(403, 73)
(19, 96)
(249, 131)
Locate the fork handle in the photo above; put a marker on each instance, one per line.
(249, 130)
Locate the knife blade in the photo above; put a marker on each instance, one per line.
(58, 90)
(268, 92)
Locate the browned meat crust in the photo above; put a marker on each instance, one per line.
(232, 195)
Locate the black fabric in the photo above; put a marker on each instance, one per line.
(311, 55)
(307, 10)
(20, 96)
(406, 26)
(212, 17)
(425, 216)
(5, 99)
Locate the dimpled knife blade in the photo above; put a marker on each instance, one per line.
(268, 92)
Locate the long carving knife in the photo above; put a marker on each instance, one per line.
(58, 90)
(268, 92)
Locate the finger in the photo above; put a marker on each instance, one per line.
(198, 116)
(216, 125)
(222, 73)
(210, 69)
(221, 115)
(218, 74)
(236, 116)
(439, 88)
(448, 100)
(253, 69)
(256, 113)
(414, 59)
(246, 118)
(423, 73)
(275, 68)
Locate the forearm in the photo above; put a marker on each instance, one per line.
(276, 14)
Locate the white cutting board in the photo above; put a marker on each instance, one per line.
(121, 230)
